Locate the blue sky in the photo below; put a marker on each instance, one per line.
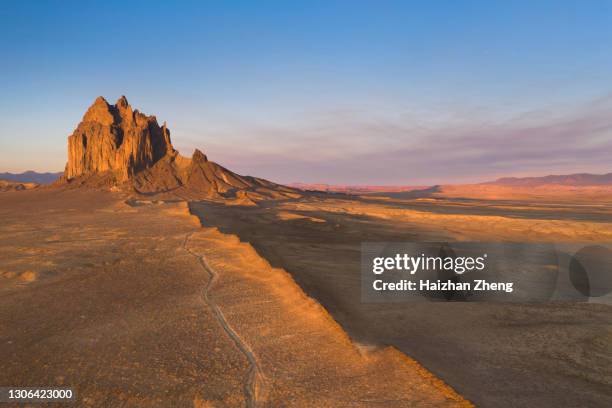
(354, 92)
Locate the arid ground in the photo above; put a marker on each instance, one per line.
(133, 303)
(494, 354)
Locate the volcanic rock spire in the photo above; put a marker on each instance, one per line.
(118, 147)
(117, 139)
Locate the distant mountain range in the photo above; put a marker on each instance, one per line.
(31, 177)
(579, 179)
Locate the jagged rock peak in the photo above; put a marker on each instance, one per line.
(100, 112)
(115, 138)
(118, 147)
(199, 157)
(122, 102)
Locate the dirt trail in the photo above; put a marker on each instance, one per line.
(255, 382)
(307, 358)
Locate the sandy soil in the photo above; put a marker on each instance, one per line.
(113, 305)
(494, 354)
(303, 358)
(517, 223)
(136, 305)
(547, 192)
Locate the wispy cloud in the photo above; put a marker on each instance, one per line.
(353, 146)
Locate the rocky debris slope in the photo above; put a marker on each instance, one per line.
(118, 147)
(13, 186)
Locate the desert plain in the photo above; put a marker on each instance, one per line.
(137, 301)
(493, 354)
(132, 303)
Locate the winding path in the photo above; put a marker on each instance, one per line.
(255, 381)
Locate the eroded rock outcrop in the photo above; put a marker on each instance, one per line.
(117, 139)
(6, 185)
(118, 147)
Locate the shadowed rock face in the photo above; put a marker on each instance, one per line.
(116, 138)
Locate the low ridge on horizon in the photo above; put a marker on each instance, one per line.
(31, 176)
(574, 179)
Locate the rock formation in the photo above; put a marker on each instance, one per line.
(116, 138)
(117, 146)
(6, 185)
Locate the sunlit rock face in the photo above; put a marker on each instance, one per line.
(116, 138)
(120, 148)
